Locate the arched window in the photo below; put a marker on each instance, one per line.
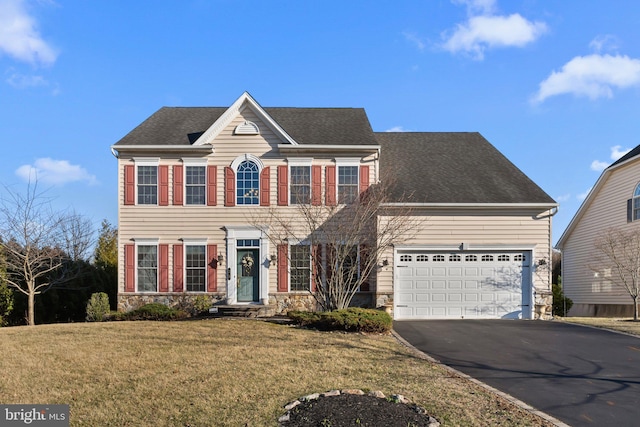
(636, 203)
(248, 183)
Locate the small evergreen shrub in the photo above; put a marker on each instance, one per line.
(350, 320)
(98, 307)
(561, 304)
(153, 311)
(201, 304)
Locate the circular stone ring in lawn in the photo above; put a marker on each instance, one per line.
(355, 408)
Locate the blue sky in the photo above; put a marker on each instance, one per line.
(555, 86)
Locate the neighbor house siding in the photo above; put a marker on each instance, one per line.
(607, 208)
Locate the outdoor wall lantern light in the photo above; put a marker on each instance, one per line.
(220, 258)
(385, 262)
(273, 259)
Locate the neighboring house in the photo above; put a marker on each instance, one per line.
(613, 202)
(190, 179)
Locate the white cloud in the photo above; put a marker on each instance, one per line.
(563, 198)
(599, 166)
(606, 42)
(414, 39)
(584, 195)
(19, 35)
(484, 30)
(54, 172)
(593, 76)
(21, 81)
(397, 129)
(616, 152)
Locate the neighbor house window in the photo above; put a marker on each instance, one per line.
(248, 184)
(636, 203)
(347, 184)
(196, 268)
(300, 185)
(147, 268)
(300, 263)
(195, 185)
(147, 185)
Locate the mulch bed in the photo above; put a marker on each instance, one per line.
(356, 410)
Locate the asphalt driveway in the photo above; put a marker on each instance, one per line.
(579, 375)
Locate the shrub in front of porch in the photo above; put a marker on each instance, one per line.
(349, 319)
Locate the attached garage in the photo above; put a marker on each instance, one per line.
(462, 284)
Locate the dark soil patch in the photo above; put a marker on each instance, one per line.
(356, 410)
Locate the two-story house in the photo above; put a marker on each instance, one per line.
(192, 181)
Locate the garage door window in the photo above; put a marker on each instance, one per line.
(503, 257)
(487, 258)
(518, 257)
(405, 258)
(455, 258)
(422, 258)
(438, 258)
(471, 258)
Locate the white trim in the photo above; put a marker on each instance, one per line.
(233, 234)
(348, 161)
(246, 157)
(233, 111)
(194, 242)
(329, 148)
(546, 206)
(302, 163)
(296, 242)
(157, 147)
(146, 161)
(190, 161)
(299, 161)
(147, 242)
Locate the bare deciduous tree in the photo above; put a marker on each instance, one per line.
(344, 243)
(34, 239)
(618, 260)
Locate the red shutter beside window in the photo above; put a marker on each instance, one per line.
(178, 185)
(163, 178)
(164, 268)
(283, 268)
(178, 268)
(229, 187)
(212, 185)
(129, 185)
(330, 180)
(283, 185)
(316, 185)
(212, 268)
(265, 183)
(129, 267)
(364, 258)
(364, 178)
(316, 266)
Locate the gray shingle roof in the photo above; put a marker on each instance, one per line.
(453, 167)
(183, 125)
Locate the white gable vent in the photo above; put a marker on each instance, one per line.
(247, 128)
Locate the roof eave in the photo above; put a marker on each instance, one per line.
(300, 148)
(474, 206)
(205, 148)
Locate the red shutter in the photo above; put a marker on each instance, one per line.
(164, 267)
(212, 268)
(316, 266)
(283, 185)
(129, 267)
(283, 268)
(316, 185)
(331, 261)
(212, 185)
(229, 187)
(178, 268)
(129, 185)
(265, 190)
(163, 175)
(364, 178)
(178, 185)
(364, 258)
(330, 179)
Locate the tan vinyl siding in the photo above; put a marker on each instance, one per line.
(506, 229)
(608, 208)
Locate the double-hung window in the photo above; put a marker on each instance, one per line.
(195, 185)
(147, 268)
(347, 184)
(300, 263)
(636, 204)
(147, 185)
(300, 185)
(196, 268)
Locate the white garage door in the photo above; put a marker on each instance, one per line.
(449, 285)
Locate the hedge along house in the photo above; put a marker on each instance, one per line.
(191, 180)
